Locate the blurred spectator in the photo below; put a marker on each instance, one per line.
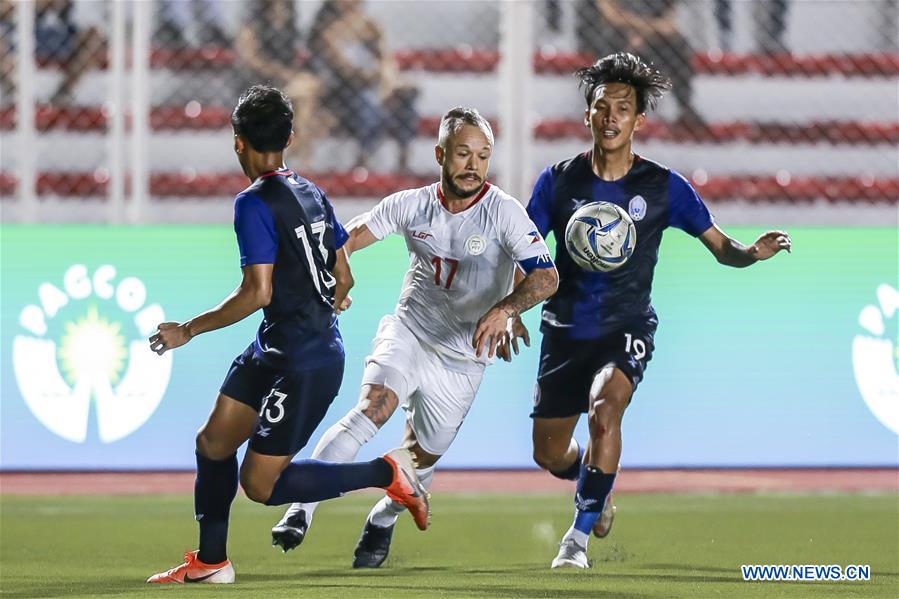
(770, 18)
(552, 14)
(888, 26)
(647, 28)
(360, 79)
(59, 39)
(269, 50)
(7, 52)
(177, 16)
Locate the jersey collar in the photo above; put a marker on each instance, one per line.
(477, 199)
(284, 172)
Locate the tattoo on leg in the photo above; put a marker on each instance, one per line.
(381, 405)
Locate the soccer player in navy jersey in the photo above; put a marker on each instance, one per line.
(598, 328)
(278, 390)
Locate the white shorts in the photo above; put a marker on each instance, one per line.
(436, 399)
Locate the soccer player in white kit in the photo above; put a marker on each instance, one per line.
(466, 238)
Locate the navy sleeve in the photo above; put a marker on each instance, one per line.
(255, 228)
(686, 210)
(340, 234)
(539, 208)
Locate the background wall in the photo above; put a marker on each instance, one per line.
(752, 367)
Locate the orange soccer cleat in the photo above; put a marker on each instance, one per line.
(405, 487)
(193, 570)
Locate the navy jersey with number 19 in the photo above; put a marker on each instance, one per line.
(589, 305)
(285, 220)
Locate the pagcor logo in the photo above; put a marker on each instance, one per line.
(86, 344)
(875, 356)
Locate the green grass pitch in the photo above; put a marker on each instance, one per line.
(478, 546)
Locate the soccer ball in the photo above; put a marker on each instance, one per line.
(600, 237)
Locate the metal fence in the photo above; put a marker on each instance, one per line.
(118, 111)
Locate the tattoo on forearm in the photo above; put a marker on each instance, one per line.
(535, 287)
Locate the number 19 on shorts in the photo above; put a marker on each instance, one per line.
(637, 347)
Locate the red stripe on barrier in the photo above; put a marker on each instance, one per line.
(359, 183)
(213, 118)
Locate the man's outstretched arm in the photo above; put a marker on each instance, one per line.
(360, 236)
(254, 292)
(730, 252)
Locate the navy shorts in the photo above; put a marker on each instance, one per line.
(290, 404)
(567, 367)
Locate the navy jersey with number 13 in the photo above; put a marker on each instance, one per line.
(589, 305)
(285, 220)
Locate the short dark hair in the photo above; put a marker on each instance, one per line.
(623, 67)
(264, 117)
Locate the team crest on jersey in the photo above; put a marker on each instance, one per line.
(475, 245)
(637, 208)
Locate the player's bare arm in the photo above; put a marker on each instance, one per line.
(730, 252)
(360, 235)
(492, 329)
(254, 292)
(516, 329)
(344, 277)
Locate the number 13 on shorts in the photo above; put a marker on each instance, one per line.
(637, 347)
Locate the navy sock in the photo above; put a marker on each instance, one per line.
(572, 472)
(312, 480)
(593, 488)
(214, 490)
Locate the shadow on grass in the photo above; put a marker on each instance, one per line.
(484, 590)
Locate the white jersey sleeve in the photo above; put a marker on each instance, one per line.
(519, 236)
(391, 215)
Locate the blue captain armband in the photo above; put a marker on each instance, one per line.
(541, 261)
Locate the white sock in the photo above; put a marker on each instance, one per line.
(386, 511)
(340, 443)
(579, 537)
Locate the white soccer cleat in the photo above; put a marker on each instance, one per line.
(195, 571)
(603, 525)
(571, 555)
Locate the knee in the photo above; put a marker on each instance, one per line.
(210, 447)
(254, 487)
(549, 457)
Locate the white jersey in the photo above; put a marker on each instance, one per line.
(460, 265)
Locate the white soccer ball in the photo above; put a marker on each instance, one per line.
(600, 237)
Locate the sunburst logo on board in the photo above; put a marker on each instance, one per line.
(875, 357)
(82, 361)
